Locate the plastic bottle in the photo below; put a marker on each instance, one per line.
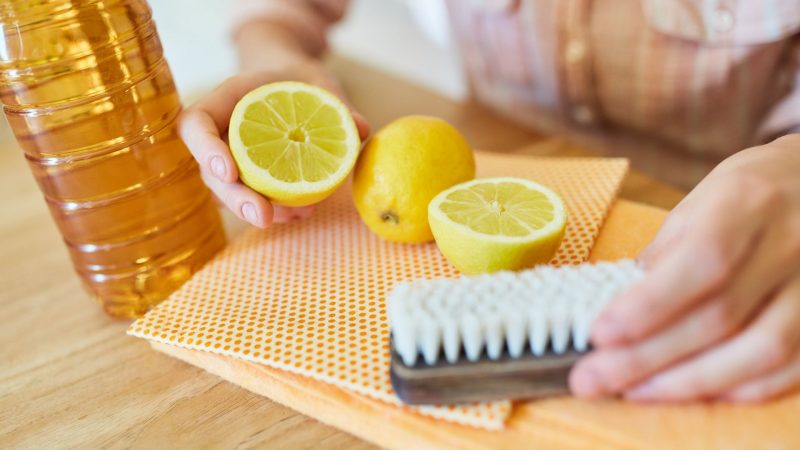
(92, 103)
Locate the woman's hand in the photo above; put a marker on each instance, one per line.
(204, 125)
(718, 314)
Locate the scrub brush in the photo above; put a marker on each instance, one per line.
(508, 335)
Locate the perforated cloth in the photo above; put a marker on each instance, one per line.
(308, 297)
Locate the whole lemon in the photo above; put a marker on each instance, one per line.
(402, 167)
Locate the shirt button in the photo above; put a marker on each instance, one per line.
(575, 52)
(583, 115)
(724, 20)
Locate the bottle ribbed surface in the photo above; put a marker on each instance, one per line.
(91, 100)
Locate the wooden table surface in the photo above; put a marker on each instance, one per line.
(70, 377)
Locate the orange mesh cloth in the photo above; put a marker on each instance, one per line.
(307, 297)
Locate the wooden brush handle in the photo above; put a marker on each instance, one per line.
(503, 379)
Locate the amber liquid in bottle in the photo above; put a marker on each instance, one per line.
(92, 103)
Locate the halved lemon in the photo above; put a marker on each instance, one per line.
(293, 142)
(492, 224)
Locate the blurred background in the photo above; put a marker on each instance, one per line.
(407, 38)
(408, 41)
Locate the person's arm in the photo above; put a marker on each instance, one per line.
(718, 314)
(276, 34)
(275, 40)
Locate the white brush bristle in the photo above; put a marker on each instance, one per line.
(540, 310)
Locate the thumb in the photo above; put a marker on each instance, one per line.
(361, 123)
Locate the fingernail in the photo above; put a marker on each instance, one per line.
(249, 213)
(586, 383)
(218, 168)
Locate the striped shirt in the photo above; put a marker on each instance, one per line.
(706, 77)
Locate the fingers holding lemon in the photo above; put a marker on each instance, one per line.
(402, 167)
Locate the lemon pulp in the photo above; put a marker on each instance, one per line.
(494, 224)
(293, 142)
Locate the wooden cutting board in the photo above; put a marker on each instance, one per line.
(551, 424)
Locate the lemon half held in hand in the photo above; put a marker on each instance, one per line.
(293, 142)
(492, 224)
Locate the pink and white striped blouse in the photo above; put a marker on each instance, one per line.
(708, 76)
